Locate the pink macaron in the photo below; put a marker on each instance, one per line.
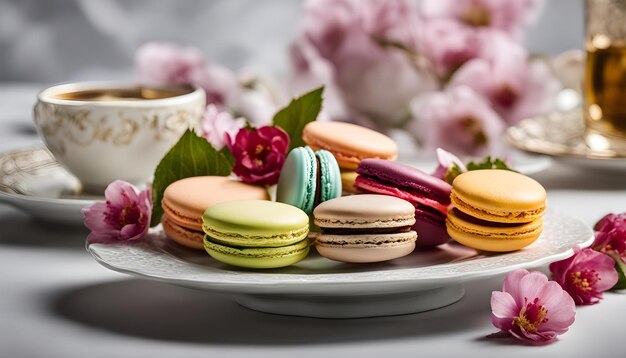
(429, 195)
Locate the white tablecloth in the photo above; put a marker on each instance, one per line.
(56, 301)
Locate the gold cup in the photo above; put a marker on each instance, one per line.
(605, 75)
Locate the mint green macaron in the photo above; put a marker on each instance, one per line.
(330, 176)
(256, 233)
(308, 178)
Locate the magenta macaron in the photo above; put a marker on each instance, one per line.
(429, 195)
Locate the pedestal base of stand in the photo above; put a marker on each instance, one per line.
(353, 306)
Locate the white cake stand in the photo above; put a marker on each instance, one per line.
(318, 287)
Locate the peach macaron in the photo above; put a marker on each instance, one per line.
(184, 202)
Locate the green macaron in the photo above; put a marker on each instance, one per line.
(258, 257)
(308, 178)
(256, 233)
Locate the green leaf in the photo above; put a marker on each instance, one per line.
(453, 172)
(489, 163)
(297, 114)
(621, 277)
(191, 156)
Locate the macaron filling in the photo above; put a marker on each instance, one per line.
(409, 179)
(357, 231)
(367, 240)
(372, 185)
(251, 240)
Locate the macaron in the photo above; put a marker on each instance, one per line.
(347, 181)
(349, 143)
(429, 195)
(496, 210)
(256, 233)
(499, 195)
(365, 228)
(185, 200)
(308, 178)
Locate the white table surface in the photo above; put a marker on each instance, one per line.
(56, 301)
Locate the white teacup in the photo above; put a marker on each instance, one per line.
(102, 131)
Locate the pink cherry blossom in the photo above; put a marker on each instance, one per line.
(611, 236)
(531, 308)
(217, 124)
(360, 50)
(503, 15)
(515, 88)
(585, 275)
(166, 63)
(458, 120)
(447, 44)
(446, 161)
(124, 216)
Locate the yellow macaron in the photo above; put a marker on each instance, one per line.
(496, 210)
(499, 195)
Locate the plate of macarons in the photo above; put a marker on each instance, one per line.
(349, 231)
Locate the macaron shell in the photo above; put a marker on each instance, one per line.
(347, 181)
(330, 176)
(493, 237)
(185, 200)
(252, 219)
(298, 179)
(183, 236)
(499, 195)
(348, 142)
(258, 258)
(364, 211)
(365, 248)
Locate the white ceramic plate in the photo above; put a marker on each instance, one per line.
(33, 181)
(560, 135)
(319, 287)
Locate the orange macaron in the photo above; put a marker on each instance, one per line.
(184, 202)
(349, 143)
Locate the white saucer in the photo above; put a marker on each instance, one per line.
(560, 135)
(33, 181)
(318, 287)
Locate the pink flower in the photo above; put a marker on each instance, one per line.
(360, 50)
(585, 275)
(166, 63)
(447, 44)
(611, 236)
(531, 308)
(504, 15)
(446, 161)
(217, 124)
(124, 216)
(458, 120)
(515, 88)
(259, 154)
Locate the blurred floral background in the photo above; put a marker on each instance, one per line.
(448, 73)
